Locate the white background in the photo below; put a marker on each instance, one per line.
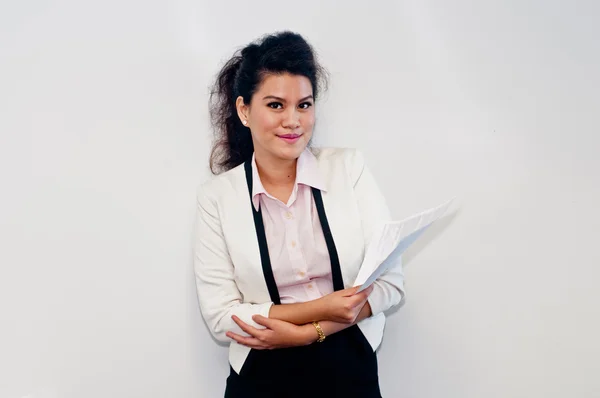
(105, 136)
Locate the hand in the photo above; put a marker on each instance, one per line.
(278, 334)
(344, 306)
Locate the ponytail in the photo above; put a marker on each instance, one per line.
(233, 142)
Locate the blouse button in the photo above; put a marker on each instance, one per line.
(288, 215)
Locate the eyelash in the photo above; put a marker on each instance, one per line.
(271, 105)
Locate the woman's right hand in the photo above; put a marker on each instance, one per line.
(344, 306)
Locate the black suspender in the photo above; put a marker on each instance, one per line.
(262, 241)
(336, 271)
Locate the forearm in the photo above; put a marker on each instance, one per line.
(330, 327)
(299, 313)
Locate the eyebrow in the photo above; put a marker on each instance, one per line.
(282, 100)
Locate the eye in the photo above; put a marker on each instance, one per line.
(275, 105)
(305, 105)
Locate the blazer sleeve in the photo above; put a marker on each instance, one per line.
(388, 289)
(218, 294)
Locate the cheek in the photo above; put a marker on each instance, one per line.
(266, 121)
(308, 120)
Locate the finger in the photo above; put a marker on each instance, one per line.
(363, 296)
(367, 291)
(351, 291)
(254, 332)
(358, 300)
(261, 320)
(251, 342)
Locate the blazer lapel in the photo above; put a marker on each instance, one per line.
(244, 248)
(345, 228)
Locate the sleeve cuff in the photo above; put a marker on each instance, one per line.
(247, 314)
(380, 300)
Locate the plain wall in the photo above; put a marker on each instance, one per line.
(105, 137)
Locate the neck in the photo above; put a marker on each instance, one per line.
(274, 171)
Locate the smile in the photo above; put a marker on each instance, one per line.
(290, 138)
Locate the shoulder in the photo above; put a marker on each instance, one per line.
(221, 185)
(350, 161)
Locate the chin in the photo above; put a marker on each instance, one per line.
(287, 151)
(291, 152)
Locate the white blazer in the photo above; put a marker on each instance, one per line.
(227, 263)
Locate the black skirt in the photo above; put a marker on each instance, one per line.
(344, 365)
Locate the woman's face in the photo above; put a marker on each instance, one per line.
(280, 115)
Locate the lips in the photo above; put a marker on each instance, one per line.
(290, 138)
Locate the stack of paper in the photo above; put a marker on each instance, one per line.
(391, 239)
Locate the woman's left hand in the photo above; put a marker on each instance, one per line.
(278, 334)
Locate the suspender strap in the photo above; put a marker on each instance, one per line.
(262, 241)
(336, 271)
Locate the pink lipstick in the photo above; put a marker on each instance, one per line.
(290, 138)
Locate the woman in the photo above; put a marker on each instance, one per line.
(281, 233)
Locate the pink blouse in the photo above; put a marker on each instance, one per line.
(297, 247)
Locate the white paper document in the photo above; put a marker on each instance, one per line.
(391, 239)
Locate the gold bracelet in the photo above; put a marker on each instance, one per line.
(319, 332)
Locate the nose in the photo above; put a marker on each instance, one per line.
(291, 119)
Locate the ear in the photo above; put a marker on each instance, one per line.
(242, 109)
